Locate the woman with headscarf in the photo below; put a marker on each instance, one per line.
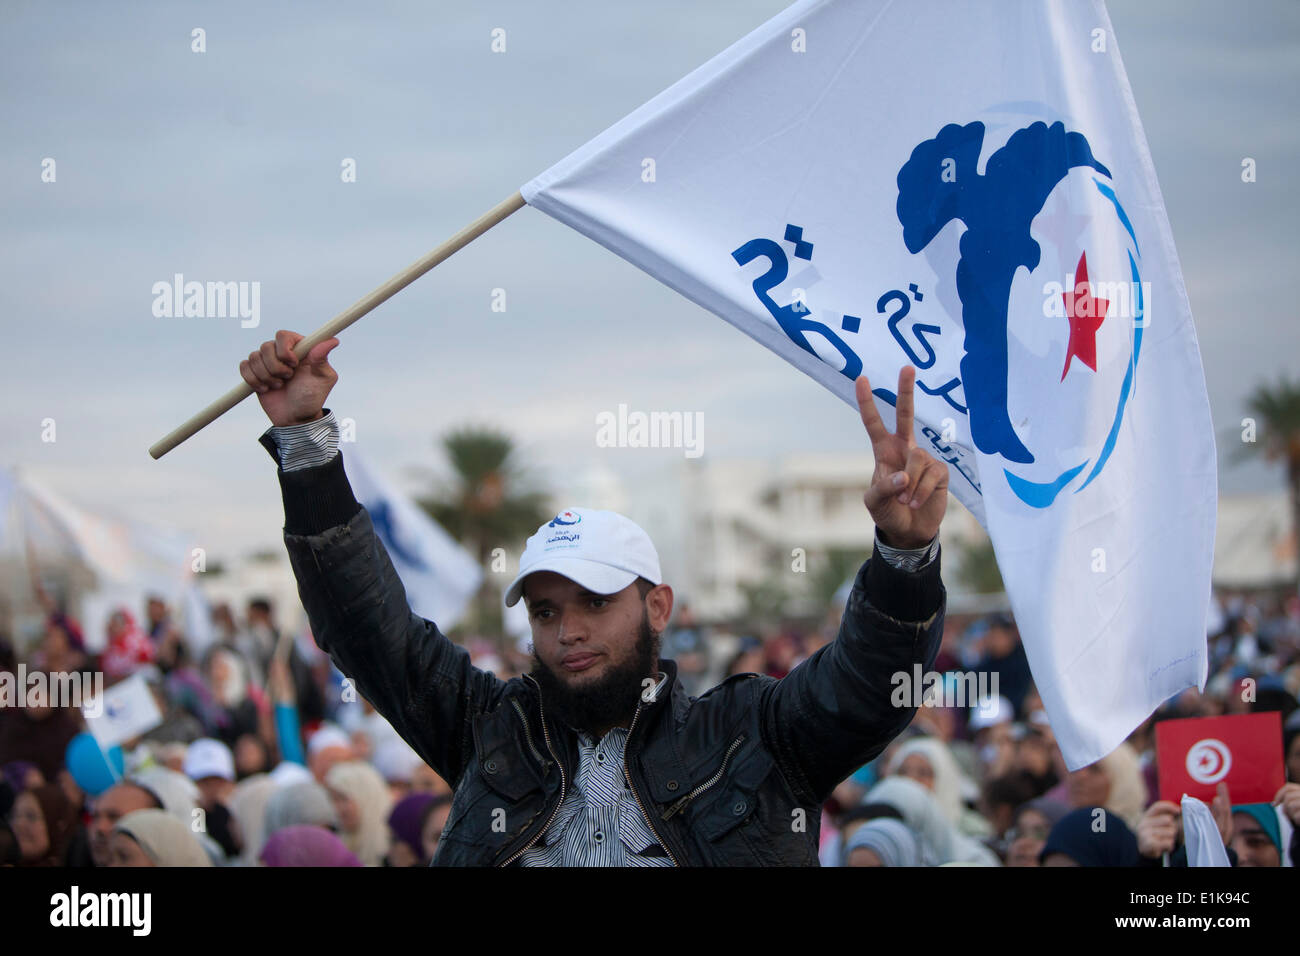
(362, 801)
(154, 838)
(304, 802)
(45, 823)
(928, 761)
(406, 848)
(239, 702)
(1114, 782)
(940, 841)
(882, 842)
(248, 813)
(1090, 836)
(306, 846)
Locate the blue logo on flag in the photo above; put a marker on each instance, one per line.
(940, 183)
(997, 208)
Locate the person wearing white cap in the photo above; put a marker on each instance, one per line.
(328, 745)
(585, 556)
(599, 756)
(211, 765)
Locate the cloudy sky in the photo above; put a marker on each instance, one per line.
(226, 166)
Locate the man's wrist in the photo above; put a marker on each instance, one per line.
(906, 558)
(302, 421)
(900, 544)
(304, 445)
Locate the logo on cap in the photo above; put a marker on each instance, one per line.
(562, 521)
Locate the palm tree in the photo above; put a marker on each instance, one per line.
(1277, 414)
(488, 506)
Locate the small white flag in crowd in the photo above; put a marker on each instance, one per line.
(125, 710)
(964, 187)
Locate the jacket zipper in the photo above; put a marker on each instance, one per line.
(680, 804)
(528, 734)
(636, 796)
(560, 803)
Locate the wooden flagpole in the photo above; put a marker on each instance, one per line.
(341, 321)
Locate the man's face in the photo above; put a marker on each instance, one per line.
(592, 651)
(111, 805)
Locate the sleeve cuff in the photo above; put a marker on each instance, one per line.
(316, 497)
(905, 595)
(307, 445)
(907, 559)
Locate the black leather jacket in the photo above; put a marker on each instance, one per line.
(736, 776)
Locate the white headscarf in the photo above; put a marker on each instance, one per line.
(248, 807)
(363, 784)
(892, 842)
(940, 841)
(306, 802)
(951, 786)
(164, 839)
(178, 793)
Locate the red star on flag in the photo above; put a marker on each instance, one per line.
(1085, 314)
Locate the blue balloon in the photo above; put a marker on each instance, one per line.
(93, 769)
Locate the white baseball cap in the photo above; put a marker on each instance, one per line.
(207, 757)
(327, 735)
(600, 550)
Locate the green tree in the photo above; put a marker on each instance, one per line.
(1275, 434)
(489, 504)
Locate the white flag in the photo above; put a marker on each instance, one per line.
(1201, 833)
(125, 710)
(439, 575)
(964, 187)
(130, 560)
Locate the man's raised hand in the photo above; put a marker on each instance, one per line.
(290, 392)
(909, 490)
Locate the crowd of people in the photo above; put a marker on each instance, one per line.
(262, 757)
(266, 756)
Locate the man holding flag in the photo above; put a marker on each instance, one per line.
(964, 189)
(599, 757)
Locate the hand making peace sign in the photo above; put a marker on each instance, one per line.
(909, 490)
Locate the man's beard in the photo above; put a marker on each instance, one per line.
(608, 700)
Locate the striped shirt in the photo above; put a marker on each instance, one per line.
(599, 823)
